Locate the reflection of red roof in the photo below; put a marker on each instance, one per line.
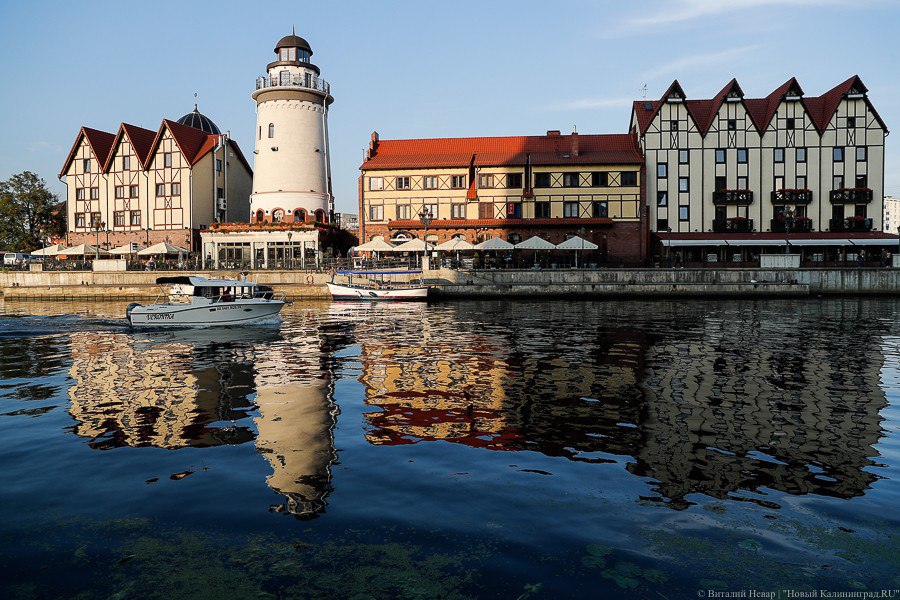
(101, 143)
(503, 151)
(761, 110)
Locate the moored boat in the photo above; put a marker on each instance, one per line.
(194, 301)
(377, 285)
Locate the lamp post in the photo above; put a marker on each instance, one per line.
(581, 235)
(290, 250)
(788, 222)
(97, 228)
(425, 217)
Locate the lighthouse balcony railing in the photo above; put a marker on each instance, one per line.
(303, 81)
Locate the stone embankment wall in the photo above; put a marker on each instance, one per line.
(507, 283)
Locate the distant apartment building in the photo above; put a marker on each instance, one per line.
(348, 221)
(554, 186)
(145, 186)
(891, 214)
(734, 168)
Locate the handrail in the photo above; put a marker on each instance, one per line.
(304, 81)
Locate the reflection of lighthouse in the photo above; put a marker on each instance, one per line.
(292, 178)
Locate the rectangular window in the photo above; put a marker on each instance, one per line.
(600, 179)
(683, 157)
(629, 178)
(485, 181)
(851, 122)
(779, 155)
(862, 181)
(79, 193)
(720, 156)
(861, 154)
(570, 179)
(661, 170)
(673, 125)
(431, 209)
(402, 183)
(485, 210)
(742, 156)
(542, 180)
(662, 198)
(732, 124)
(376, 184)
(176, 190)
(376, 213)
(513, 210)
(95, 220)
(167, 159)
(600, 210)
(220, 192)
(742, 183)
(218, 165)
(135, 217)
(86, 164)
(404, 211)
(684, 213)
(541, 210)
(126, 163)
(838, 154)
(779, 183)
(571, 210)
(662, 224)
(837, 182)
(801, 182)
(513, 180)
(789, 123)
(132, 191)
(720, 183)
(120, 191)
(119, 218)
(79, 220)
(160, 189)
(801, 155)
(430, 182)
(683, 185)
(457, 211)
(458, 182)
(95, 193)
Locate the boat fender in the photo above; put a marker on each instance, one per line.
(309, 279)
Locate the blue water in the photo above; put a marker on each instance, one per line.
(469, 449)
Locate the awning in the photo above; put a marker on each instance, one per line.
(873, 242)
(821, 242)
(679, 243)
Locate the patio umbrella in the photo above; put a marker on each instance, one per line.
(132, 248)
(577, 243)
(455, 244)
(161, 248)
(49, 250)
(82, 250)
(494, 244)
(535, 243)
(412, 246)
(377, 244)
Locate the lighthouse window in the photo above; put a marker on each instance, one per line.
(271, 130)
(284, 54)
(292, 54)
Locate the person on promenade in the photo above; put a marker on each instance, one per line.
(861, 258)
(885, 258)
(678, 264)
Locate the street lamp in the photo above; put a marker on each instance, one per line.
(581, 235)
(788, 222)
(97, 228)
(290, 249)
(425, 217)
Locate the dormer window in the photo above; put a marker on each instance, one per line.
(851, 122)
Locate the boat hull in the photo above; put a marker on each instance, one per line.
(346, 292)
(218, 314)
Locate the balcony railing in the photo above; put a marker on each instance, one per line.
(850, 224)
(733, 225)
(796, 226)
(851, 196)
(786, 196)
(740, 197)
(309, 82)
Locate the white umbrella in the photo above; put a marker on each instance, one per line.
(455, 244)
(377, 244)
(412, 246)
(577, 243)
(535, 243)
(131, 248)
(494, 244)
(162, 248)
(49, 250)
(82, 250)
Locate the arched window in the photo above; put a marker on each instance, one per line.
(299, 216)
(259, 216)
(277, 215)
(320, 216)
(271, 130)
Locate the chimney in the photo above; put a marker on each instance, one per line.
(574, 140)
(373, 145)
(552, 132)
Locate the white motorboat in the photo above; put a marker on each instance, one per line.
(194, 301)
(376, 285)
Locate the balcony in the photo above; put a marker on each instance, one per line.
(851, 196)
(732, 225)
(792, 196)
(850, 224)
(739, 197)
(305, 81)
(797, 225)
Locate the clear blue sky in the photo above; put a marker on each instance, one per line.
(421, 69)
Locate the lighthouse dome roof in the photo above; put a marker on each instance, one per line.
(293, 41)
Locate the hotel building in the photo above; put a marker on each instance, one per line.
(554, 186)
(145, 186)
(733, 168)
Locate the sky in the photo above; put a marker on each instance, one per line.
(410, 69)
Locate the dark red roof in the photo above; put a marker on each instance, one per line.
(101, 143)
(761, 110)
(503, 151)
(141, 140)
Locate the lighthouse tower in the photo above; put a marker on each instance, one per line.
(292, 174)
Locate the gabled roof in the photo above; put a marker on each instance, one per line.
(504, 151)
(189, 140)
(101, 143)
(141, 140)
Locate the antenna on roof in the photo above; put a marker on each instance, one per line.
(195, 102)
(292, 30)
(574, 128)
(644, 91)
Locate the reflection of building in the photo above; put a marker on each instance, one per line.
(128, 395)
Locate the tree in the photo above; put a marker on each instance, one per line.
(29, 214)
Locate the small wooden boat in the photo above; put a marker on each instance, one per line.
(377, 285)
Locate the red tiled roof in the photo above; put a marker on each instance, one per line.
(761, 110)
(141, 139)
(467, 223)
(101, 143)
(503, 151)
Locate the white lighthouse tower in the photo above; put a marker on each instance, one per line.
(292, 174)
